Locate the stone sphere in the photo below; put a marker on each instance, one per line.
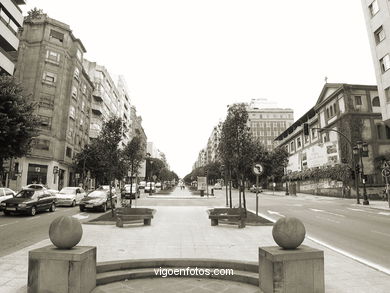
(65, 232)
(288, 232)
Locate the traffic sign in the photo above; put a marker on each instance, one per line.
(386, 172)
(257, 169)
(154, 177)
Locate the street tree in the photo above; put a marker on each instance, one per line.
(18, 122)
(133, 155)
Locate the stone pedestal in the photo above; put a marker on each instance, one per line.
(297, 270)
(62, 270)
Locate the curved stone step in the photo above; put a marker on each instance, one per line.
(177, 263)
(131, 274)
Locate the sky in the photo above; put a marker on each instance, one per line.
(185, 61)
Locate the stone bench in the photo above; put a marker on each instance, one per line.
(128, 215)
(231, 215)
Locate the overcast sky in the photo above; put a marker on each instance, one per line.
(185, 61)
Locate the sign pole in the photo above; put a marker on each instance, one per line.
(257, 195)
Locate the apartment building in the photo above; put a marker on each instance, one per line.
(213, 143)
(355, 111)
(11, 20)
(377, 17)
(267, 122)
(50, 67)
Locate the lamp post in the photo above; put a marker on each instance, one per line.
(285, 173)
(361, 149)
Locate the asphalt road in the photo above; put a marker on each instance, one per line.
(20, 231)
(356, 231)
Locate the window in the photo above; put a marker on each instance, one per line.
(45, 122)
(49, 77)
(83, 88)
(306, 138)
(387, 94)
(56, 36)
(72, 112)
(373, 7)
(299, 142)
(68, 152)
(292, 148)
(376, 102)
(8, 21)
(268, 124)
(358, 100)
(286, 147)
(387, 132)
(269, 133)
(275, 124)
(46, 101)
(79, 54)
(314, 133)
(76, 73)
(82, 106)
(53, 56)
(379, 131)
(40, 144)
(379, 35)
(385, 63)
(74, 92)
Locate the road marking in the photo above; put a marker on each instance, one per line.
(330, 220)
(384, 213)
(275, 213)
(326, 212)
(81, 216)
(2, 225)
(381, 233)
(347, 254)
(356, 210)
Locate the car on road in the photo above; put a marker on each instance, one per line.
(253, 189)
(107, 188)
(142, 185)
(150, 186)
(158, 185)
(130, 193)
(6, 193)
(217, 186)
(29, 201)
(70, 196)
(97, 200)
(35, 186)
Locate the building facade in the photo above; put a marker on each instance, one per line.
(50, 67)
(267, 123)
(377, 17)
(11, 20)
(353, 110)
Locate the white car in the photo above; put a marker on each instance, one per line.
(107, 188)
(70, 196)
(6, 193)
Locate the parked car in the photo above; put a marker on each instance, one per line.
(158, 185)
(29, 201)
(217, 186)
(70, 196)
(150, 185)
(97, 200)
(125, 193)
(6, 193)
(36, 186)
(142, 185)
(107, 188)
(253, 189)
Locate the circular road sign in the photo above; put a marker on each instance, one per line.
(386, 172)
(257, 169)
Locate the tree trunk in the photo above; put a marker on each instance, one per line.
(243, 194)
(230, 188)
(239, 190)
(112, 210)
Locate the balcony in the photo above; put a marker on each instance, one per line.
(97, 107)
(6, 64)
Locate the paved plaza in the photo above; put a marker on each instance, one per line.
(185, 232)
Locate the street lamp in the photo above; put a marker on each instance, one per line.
(149, 157)
(361, 149)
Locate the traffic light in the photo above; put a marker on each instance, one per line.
(306, 129)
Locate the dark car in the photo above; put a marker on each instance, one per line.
(29, 201)
(97, 200)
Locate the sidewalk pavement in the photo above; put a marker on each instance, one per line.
(186, 232)
(373, 204)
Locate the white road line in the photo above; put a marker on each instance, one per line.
(275, 213)
(384, 213)
(330, 220)
(81, 216)
(347, 254)
(356, 210)
(381, 233)
(2, 225)
(326, 212)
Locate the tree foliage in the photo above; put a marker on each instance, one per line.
(18, 123)
(134, 154)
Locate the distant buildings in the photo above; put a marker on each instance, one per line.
(377, 16)
(11, 20)
(74, 97)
